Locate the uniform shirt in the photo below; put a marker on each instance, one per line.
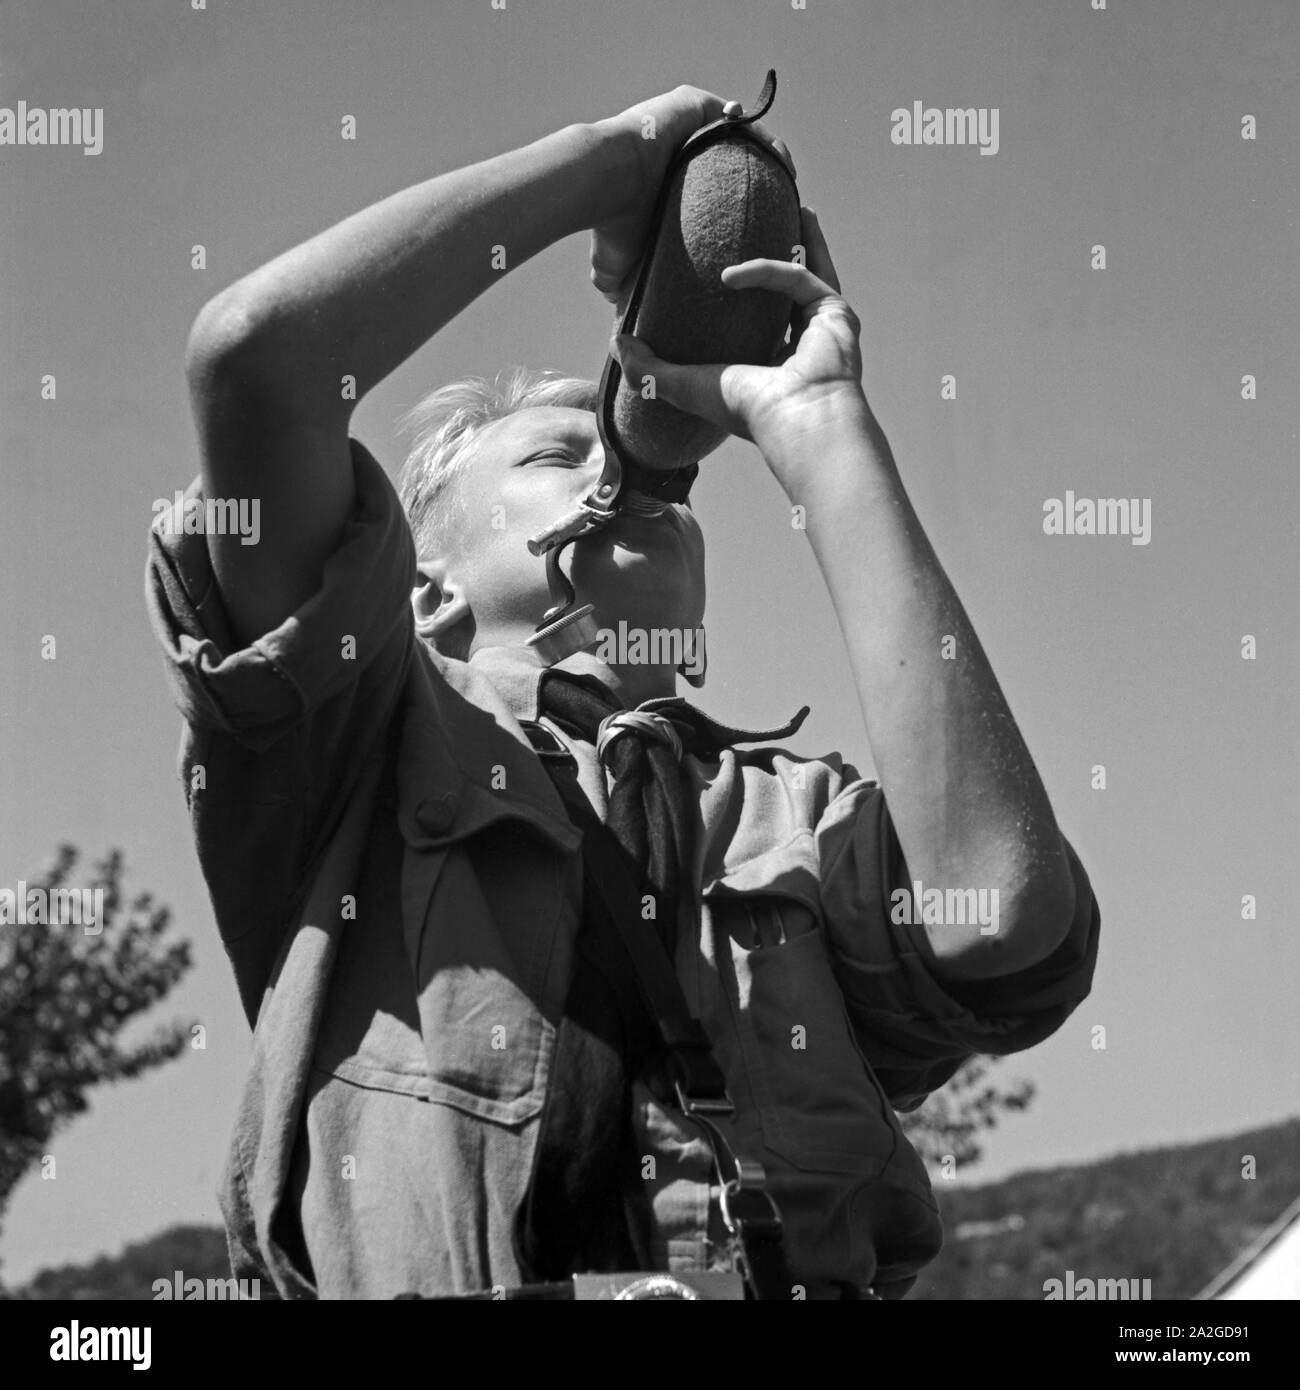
(398, 888)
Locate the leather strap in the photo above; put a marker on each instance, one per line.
(695, 1083)
(760, 108)
(561, 1289)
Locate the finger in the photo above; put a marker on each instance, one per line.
(819, 253)
(712, 104)
(696, 390)
(609, 274)
(606, 285)
(613, 291)
(796, 282)
(707, 106)
(785, 352)
(602, 275)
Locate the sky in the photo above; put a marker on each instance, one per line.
(1119, 128)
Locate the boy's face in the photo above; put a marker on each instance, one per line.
(536, 465)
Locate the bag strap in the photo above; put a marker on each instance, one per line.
(698, 1085)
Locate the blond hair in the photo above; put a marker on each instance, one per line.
(444, 426)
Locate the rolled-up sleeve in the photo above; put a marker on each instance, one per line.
(915, 1029)
(278, 730)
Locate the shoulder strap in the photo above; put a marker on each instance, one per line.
(698, 1085)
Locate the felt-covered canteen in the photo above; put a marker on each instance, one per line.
(726, 198)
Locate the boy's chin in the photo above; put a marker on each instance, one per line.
(629, 574)
(632, 539)
(657, 605)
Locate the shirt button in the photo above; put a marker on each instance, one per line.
(437, 814)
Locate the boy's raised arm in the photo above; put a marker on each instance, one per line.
(968, 806)
(267, 357)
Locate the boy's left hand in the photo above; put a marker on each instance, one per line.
(813, 377)
(647, 136)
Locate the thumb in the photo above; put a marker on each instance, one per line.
(695, 390)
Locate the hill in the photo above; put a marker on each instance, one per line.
(1175, 1216)
(199, 1252)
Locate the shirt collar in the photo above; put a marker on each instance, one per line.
(516, 674)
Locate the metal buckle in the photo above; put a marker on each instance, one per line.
(641, 1286)
(689, 1105)
(656, 1286)
(545, 743)
(589, 515)
(751, 1180)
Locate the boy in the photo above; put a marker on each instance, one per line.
(396, 879)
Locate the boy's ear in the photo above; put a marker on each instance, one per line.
(440, 603)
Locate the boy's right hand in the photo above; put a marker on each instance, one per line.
(814, 380)
(647, 136)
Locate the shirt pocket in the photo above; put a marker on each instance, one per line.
(816, 1098)
(369, 1033)
(445, 978)
(485, 918)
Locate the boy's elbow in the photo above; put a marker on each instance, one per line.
(1040, 920)
(244, 350)
(225, 340)
(1028, 926)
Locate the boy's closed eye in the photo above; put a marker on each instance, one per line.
(562, 456)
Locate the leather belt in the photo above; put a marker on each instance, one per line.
(634, 1286)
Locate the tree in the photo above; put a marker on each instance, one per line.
(949, 1121)
(65, 994)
